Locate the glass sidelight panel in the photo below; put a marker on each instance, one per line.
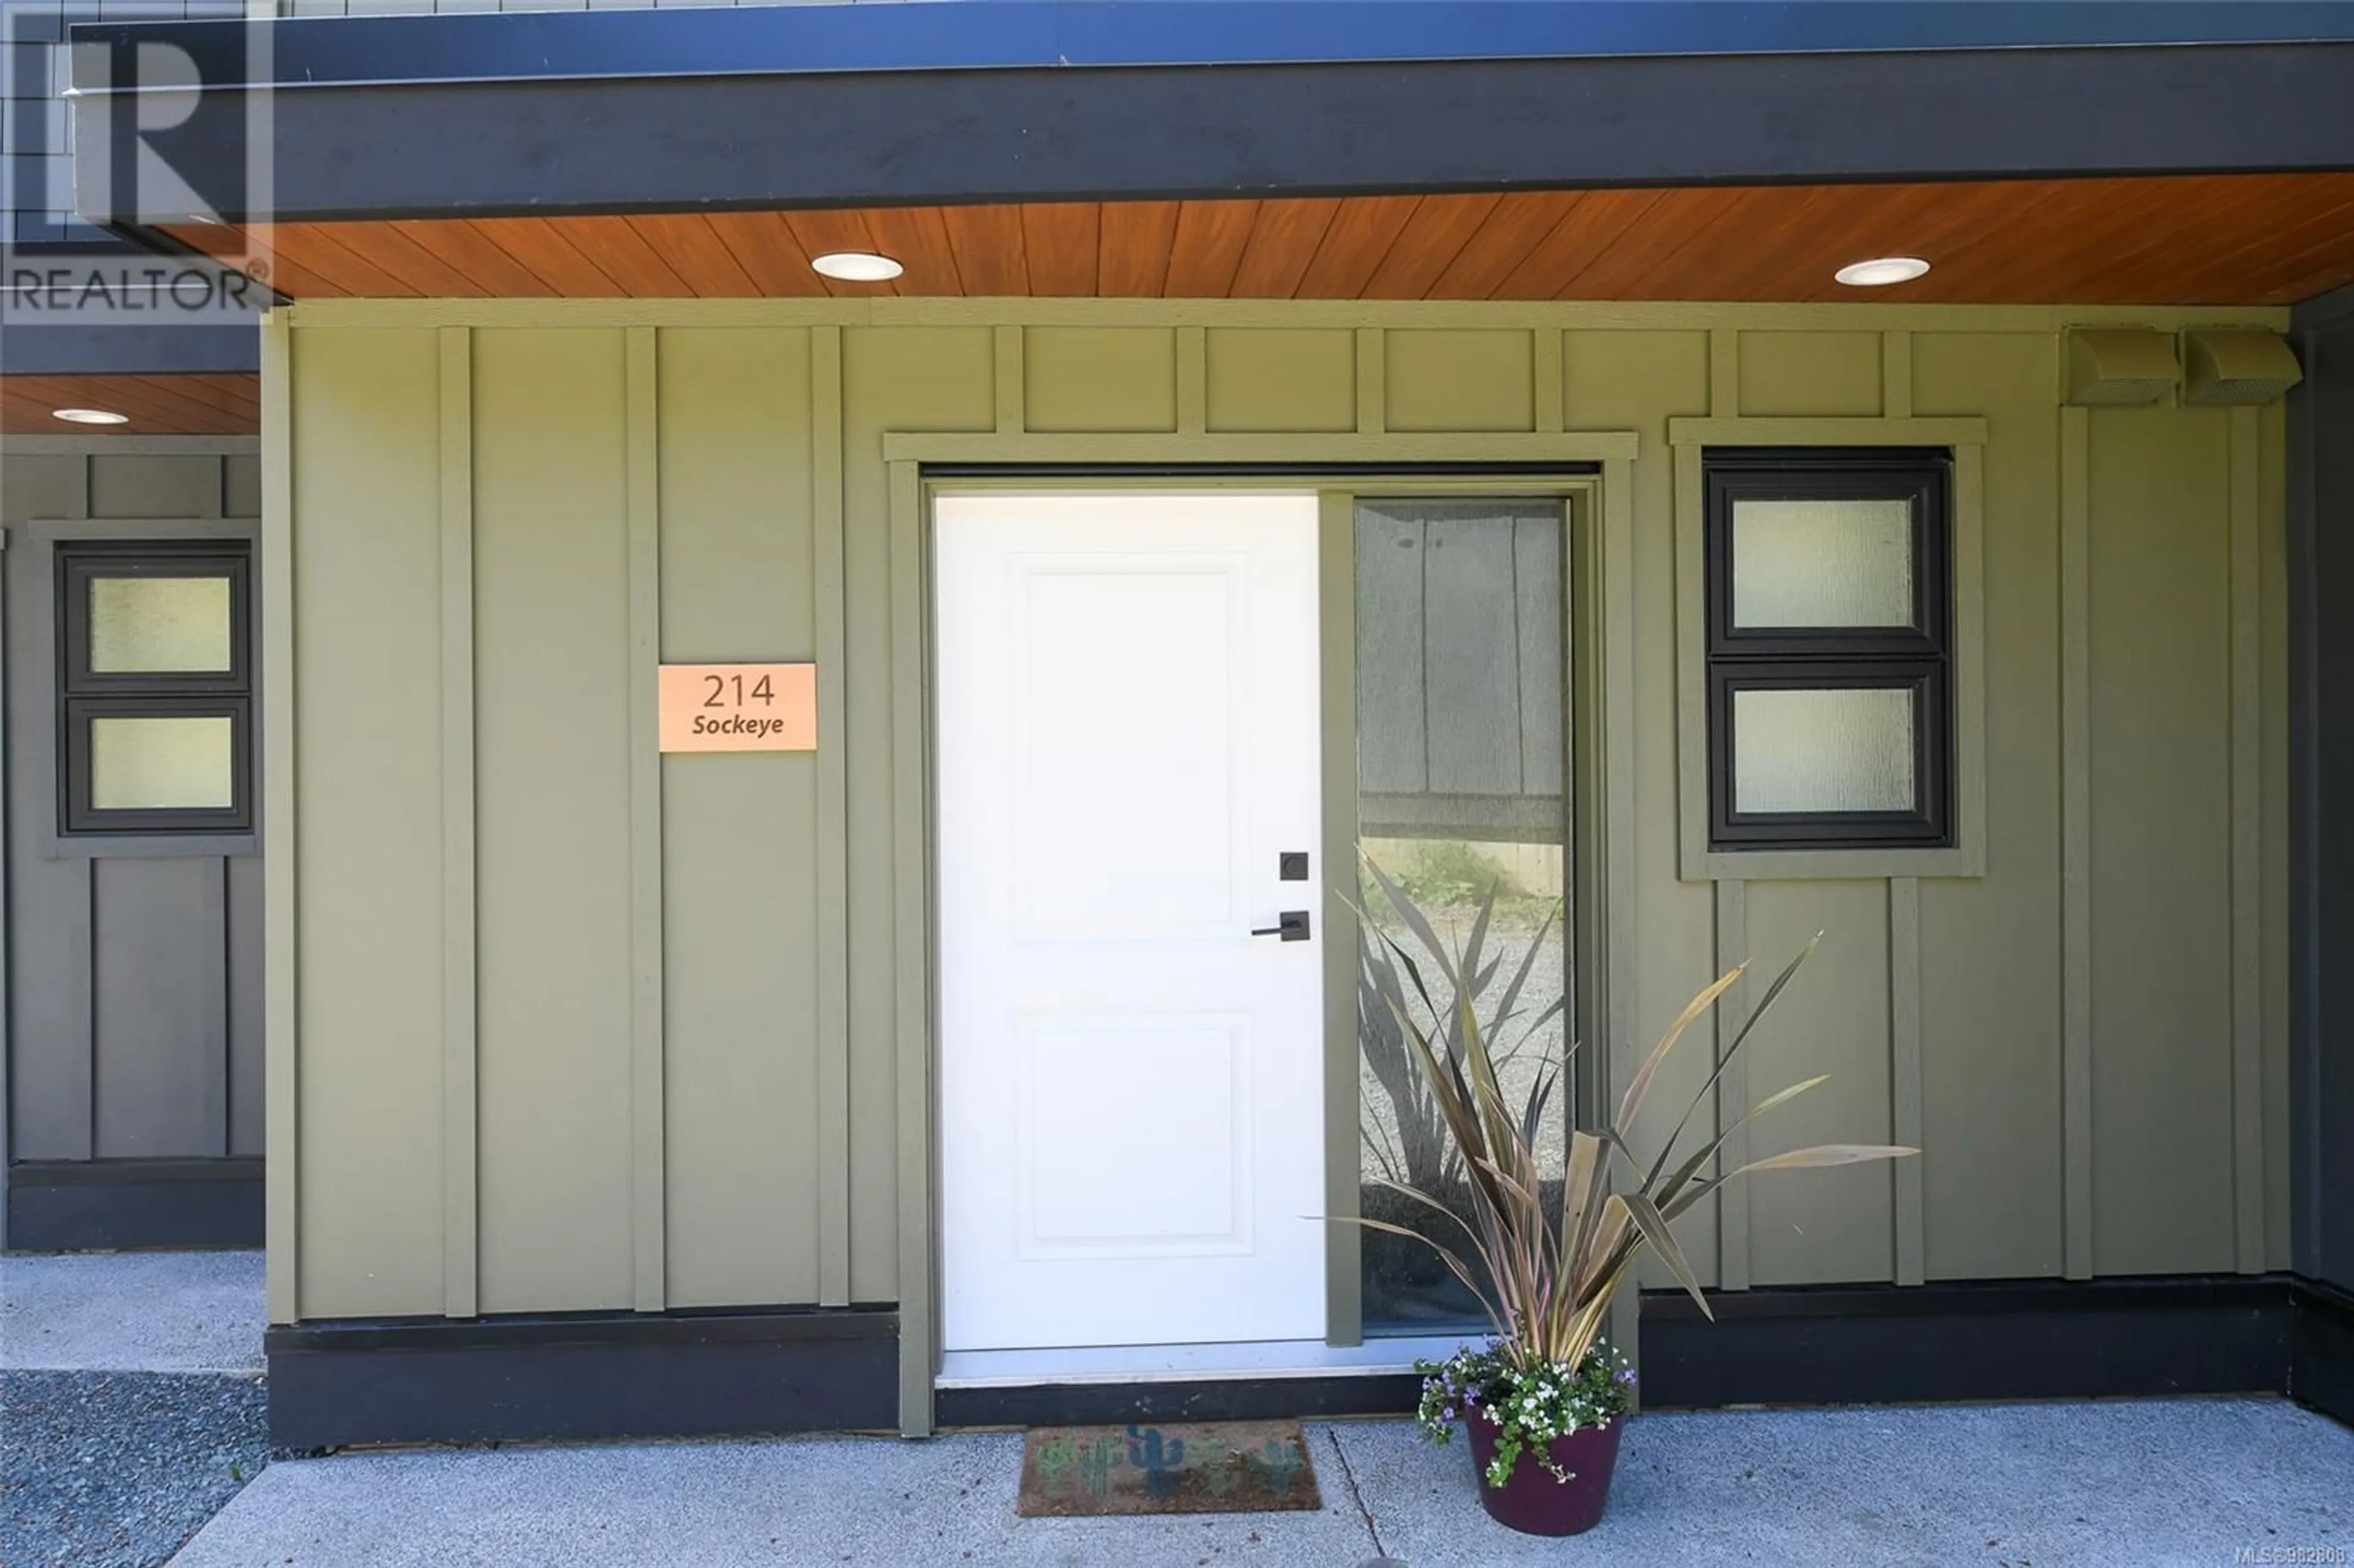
(1822, 750)
(1460, 760)
(160, 625)
(1822, 561)
(150, 764)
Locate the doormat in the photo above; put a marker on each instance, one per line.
(1191, 1466)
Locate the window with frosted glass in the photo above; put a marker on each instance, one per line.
(155, 696)
(1828, 583)
(1461, 763)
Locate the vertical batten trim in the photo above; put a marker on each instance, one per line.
(1372, 396)
(1012, 383)
(833, 824)
(80, 904)
(644, 501)
(1545, 376)
(279, 993)
(7, 1077)
(461, 1255)
(1904, 1074)
(911, 943)
(1612, 600)
(1336, 869)
(1896, 378)
(1732, 1087)
(2075, 844)
(1724, 373)
(2247, 840)
(1969, 656)
(1192, 380)
(1690, 500)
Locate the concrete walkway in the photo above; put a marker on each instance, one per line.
(156, 1312)
(2146, 1483)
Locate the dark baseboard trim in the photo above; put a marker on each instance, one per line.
(598, 1375)
(584, 1375)
(118, 1205)
(2321, 1348)
(1993, 1340)
(1237, 1399)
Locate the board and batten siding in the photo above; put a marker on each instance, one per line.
(134, 1026)
(580, 1028)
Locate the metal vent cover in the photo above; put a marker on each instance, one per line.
(2120, 366)
(2237, 366)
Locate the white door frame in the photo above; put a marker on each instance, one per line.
(1340, 467)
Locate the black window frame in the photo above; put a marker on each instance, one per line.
(83, 695)
(1918, 658)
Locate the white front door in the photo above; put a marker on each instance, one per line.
(1130, 1083)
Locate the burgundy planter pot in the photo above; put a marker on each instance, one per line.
(1533, 1501)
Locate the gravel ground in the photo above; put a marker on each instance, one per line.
(116, 1469)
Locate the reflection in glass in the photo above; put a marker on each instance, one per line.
(156, 763)
(1815, 750)
(1822, 562)
(159, 624)
(1461, 650)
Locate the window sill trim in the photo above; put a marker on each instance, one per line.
(235, 845)
(1957, 861)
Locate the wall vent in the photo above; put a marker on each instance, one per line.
(2231, 366)
(2120, 366)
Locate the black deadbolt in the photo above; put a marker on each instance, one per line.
(1292, 865)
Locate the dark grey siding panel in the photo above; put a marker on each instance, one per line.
(141, 485)
(2321, 541)
(49, 1035)
(134, 1004)
(245, 1063)
(48, 926)
(160, 1007)
(241, 486)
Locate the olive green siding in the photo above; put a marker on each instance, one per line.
(618, 1037)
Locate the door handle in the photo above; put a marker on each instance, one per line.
(1292, 925)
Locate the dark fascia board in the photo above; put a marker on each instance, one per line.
(128, 348)
(742, 131)
(1013, 34)
(2322, 309)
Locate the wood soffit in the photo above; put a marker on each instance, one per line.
(2225, 239)
(208, 404)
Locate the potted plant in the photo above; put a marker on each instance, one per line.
(1545, 1401)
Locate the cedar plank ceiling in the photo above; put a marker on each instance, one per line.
(2226, 239)
(210, 404)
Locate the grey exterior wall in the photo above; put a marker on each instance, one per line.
(133, 1007)
(2321, 541)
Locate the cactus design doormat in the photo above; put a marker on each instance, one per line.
(1171, 1466)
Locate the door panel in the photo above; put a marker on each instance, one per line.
(1130, 1104)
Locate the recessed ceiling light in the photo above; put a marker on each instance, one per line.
(1881, 271)
(856, 267)
(90, 416)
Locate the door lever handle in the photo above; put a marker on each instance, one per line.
(1292, 925)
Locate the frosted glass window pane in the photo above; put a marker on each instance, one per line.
(151, 764)
(1808, 750)
(173, 624)
(1822, 562)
